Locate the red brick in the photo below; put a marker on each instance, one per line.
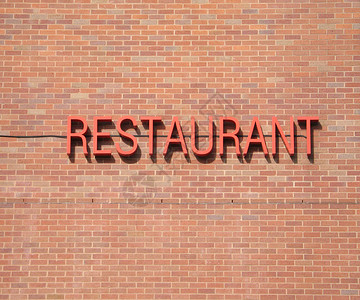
(231, 227)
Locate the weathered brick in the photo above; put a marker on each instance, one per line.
(179, 227)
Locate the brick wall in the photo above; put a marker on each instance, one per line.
(249, 226)
(171, 251)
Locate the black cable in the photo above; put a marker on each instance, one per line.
(33, 136)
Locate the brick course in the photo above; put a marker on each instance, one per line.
(176, 227)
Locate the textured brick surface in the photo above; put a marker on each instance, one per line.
(171, 251)
(176, 227)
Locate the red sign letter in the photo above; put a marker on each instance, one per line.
(151, 131)
(127, 135)
(308, 131)
(276, 125)
(180, 140)
(193, 141)
(260, 140)
(231, 135)
(76, 134)
(97, 134)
